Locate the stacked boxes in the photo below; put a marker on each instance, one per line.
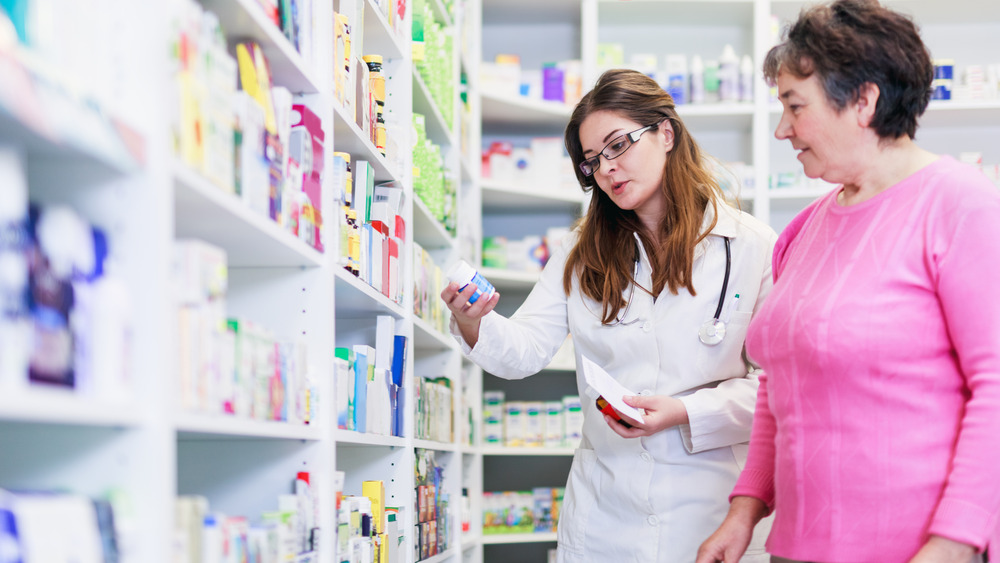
(522, 512)
(531, 423)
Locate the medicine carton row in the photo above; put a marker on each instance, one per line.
(550, 424)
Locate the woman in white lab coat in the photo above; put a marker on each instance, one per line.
(646, 286)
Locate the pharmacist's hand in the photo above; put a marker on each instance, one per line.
(468, 315)
(942, 550)
(660, 412)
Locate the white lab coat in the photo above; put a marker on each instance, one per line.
(652, 499)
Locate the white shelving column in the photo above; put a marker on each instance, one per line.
(276, 281)
(363, 456)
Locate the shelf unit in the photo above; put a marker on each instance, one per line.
(114, 165)
(560, 30)
(122, 175)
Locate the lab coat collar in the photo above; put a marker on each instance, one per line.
(726, 226)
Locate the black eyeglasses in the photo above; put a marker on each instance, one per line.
(612, 150)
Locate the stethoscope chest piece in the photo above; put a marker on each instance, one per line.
(712, 332)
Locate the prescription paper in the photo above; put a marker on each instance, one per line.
(609, 388)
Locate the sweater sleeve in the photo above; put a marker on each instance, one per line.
(968, 268)
(757, 478)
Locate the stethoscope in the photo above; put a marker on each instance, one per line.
(712, 331)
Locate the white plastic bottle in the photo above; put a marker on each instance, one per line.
(463, 274)
(697, 80)
(729, 75)
(746, 79)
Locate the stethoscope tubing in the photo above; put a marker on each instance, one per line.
(725, 280)
(722, 295)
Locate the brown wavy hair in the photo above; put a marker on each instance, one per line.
(849, 43)
(604, 254)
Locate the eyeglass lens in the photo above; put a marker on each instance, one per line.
(612, 150)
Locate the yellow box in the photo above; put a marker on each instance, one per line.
(375, 490)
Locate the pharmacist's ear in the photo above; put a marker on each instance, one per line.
(667, 130)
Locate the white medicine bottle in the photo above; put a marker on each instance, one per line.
(729, 75)
(463, 274)
(697, 82)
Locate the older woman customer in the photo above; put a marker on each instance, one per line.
(875, 437)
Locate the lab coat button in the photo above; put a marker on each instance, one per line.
(653, 520)
(647, 326)
(645, 456)
(645, 393)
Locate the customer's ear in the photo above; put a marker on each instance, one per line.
(868, 96)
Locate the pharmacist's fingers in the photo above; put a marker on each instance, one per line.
(453, 299)
(621, 430)
(482, 306)
(456, 300)
(491, 303)
(449, 292)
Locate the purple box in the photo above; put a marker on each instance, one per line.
(552, 83)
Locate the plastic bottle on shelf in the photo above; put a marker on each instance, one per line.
(746, 79)
(463, 274)
(729, 75)
(677, 78)
(697, 80)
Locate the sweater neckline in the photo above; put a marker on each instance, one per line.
(892, 191)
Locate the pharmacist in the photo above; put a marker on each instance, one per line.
(657, 285)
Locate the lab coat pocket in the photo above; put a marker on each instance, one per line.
(579, 502)
(740, 452)
(726, 356)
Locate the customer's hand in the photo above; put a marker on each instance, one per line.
(730, 541)
(661, 412)
(468, 315)
(943, 550)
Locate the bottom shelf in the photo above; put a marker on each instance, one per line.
(533, 550)
(499, 539)
(439, 557)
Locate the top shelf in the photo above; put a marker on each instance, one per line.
(946, 113)
(207, 212)
(434, 121)
(427, 230)
(65, 407)
(379, 37)
(680, 12)
(348, 137)
(499, 196)
(936, 11)
(244, 19)
(520, 11)
(523, 113)
(39, 115)
(716, 117)
(440, 13)
(526, 115)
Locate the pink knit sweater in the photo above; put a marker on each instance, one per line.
(878, 421)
